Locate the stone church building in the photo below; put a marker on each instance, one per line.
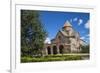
(67, 40)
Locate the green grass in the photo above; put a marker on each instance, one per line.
(51, 58)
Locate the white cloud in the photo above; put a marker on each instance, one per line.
(71, 20)
(87, 24)
(83, 38)
(86, 38)
(80, 21)
(88, 35)
(47, 41)
(75, 19)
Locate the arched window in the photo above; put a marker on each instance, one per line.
(67, 31)
(59, 37)
(67, 40)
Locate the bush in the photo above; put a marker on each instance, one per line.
(51, 58)
(85, 49)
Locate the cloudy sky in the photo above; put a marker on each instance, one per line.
(53, 21)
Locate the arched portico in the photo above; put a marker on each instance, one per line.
(61, 49)
(54, 49)
(49, 50)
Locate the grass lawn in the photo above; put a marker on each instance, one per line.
(60, 57)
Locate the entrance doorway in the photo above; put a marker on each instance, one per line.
(61, 49)
(49, 49)
(54, 50)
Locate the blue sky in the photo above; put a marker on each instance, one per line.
(53, 21)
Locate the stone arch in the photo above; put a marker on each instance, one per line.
(49, 50)
(61, 49)
(54, 49)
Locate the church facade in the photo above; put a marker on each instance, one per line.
(67, 40)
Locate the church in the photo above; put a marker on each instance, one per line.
(67, 40)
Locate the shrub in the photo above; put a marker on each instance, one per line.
(85, 49)
(51, 58)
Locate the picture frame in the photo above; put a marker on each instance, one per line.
(17, 66)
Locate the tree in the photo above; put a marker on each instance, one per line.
(33, 33)
(85, 49)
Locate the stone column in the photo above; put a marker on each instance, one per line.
(51, 50)
(58, 49)
(46, 52)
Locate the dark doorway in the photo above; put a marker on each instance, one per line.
(49, 49)
(61, 49)
(54, 50)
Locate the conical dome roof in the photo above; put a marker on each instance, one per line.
(67, 24)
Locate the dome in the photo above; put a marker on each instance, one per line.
(67, 24)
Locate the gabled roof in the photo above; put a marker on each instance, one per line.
(61, 32)
(64, 33)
